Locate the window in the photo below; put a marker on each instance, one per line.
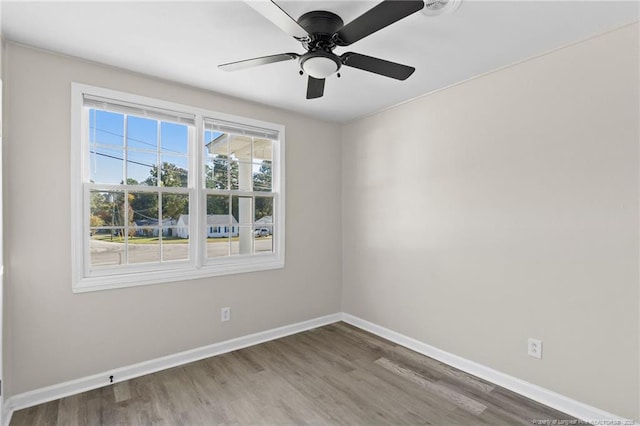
(238, 186)
(165, 192)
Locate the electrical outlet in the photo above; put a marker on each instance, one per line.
(534, 348)
(225, 314)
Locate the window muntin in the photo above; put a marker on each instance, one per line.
(147, 201)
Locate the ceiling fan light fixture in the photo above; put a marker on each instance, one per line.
(319, 65)
(321, 31)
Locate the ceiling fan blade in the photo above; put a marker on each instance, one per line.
(315, 88)
(380, 16)
(264, 60)
(377, 66)
(279, 17)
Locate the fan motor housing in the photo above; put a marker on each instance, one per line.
(321, 22)
(321, 26)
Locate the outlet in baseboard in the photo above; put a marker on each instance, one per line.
(534, 348)
(225, 314)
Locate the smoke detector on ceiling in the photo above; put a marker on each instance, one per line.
(439, 7)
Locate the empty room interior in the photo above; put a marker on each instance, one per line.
(320, 212)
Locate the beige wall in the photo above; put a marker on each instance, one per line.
(504, 208)
(55, 335)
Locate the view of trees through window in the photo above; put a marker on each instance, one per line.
(139, 189)
(238, 186)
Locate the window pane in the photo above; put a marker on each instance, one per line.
(241, 209)
(218, 205)
(175, 244)
(106, 208)
(262, 150)
(144, 209)
(107, 247)
(244, 180)
(219, 226)
(240, 148)
(142, 168)
(263, 211)
(217, 174)
(218, 246)
(144, 245)
(243, 244)
(216, 143)
(174, 138)
(262, 176)
(174, 171)
(234, 178)
(106, 128)
(175, 209)
(106, 165)
(142, 133)
(263, 240)
(216, 160)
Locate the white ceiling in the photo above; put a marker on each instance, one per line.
(185, 41)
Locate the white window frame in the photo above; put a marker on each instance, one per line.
(198, 265)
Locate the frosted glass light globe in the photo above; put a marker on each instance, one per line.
(319, 67)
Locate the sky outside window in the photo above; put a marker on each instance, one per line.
(107, 147)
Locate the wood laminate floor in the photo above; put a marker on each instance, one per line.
(336, 374)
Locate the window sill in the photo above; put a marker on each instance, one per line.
(135, 279)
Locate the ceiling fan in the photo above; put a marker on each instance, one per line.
(320, 32)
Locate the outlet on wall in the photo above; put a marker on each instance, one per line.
(534, 348)
(225, 314)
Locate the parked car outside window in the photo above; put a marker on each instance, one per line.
(262, 232)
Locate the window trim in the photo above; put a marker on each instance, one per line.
(198, 265)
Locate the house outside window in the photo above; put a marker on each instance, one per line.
(165, 192)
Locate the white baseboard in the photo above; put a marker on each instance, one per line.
(51, 393)
(544, 396)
